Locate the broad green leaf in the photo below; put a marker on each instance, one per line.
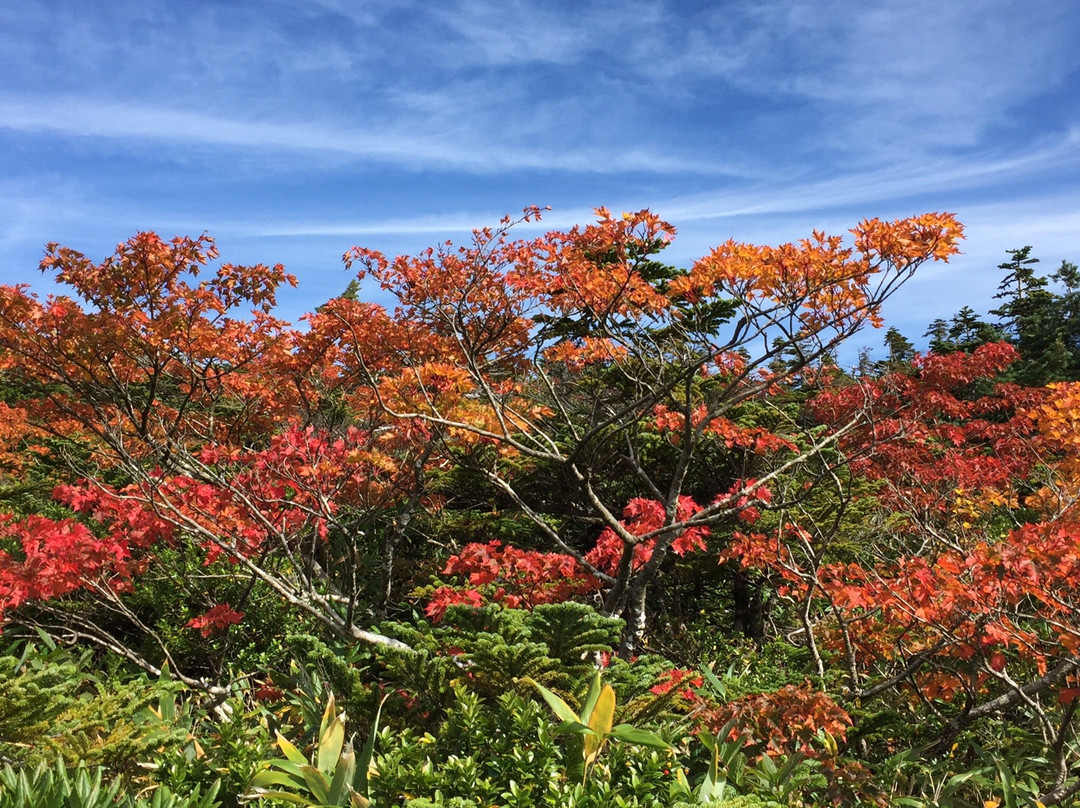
(714, 682)
(46, 638)
(317, 784)
(287, 796)
(330, 743)
(573, 728)
(289, 767)
(642, 737)
(561, 708)
(766, 764)
(711, 788)
(1008, 783)
(602, 715)
(788, 768)
(341, 784)
(590, 699)
(290, 751)
(265, 779)
(167, 701)
(708, 740)
(681, 786)
(363, 765)
(328, 715)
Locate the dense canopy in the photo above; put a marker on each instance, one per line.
(547, 474)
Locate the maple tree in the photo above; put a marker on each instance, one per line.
(563, 351)
(203, 420)
(962, 595)
(552, 418)
(188, 414)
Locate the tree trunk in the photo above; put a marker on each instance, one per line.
(633, 635)
(749, 606)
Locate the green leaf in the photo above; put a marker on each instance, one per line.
(641, 737)
(561, 708)
(317, 784)
(267, 778)
(788, 768)
(602, 715)
(287, 796)
(712, 787)
(290, 751)
(363, 765)
(289, 767)
(46, 638)
(328, 715)
(591, 698)
(341, 784)
(767, 765)
(681, 786)
(714, 682)
(573, 728)
(330, 744)
(1008, 783)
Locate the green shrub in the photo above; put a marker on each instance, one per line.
(453, 802)
(489, 650)
(506, 752)
(55, 787)
(51, 706)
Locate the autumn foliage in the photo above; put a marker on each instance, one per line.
(625, 433)
(217, 417)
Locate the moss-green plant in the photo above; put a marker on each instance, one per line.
(51, 705)
(491, 649)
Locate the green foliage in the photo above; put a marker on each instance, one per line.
(334, 777)
(505, 752)
(573, 633)
(964, 332)
(51, 706)
(34, 688)
(55, 787)
(180, 586)
(328, 666)
(595, 725)
(968, 775)
(1039, 315)
(744, 801)
(224, 741)
(490, 649)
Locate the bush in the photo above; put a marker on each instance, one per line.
(55, 787)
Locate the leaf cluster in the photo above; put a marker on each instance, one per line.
(487, 650)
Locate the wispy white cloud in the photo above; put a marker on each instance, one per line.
(514, 33)
(748, 118)
(880, 185)
(835, 199)
(871, 80)
(465, 150)
(741, 87)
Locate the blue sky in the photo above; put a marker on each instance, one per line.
(292, 130)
